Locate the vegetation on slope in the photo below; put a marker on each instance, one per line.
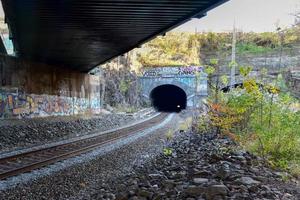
(174, 49)
(264, 120)
(184, 49)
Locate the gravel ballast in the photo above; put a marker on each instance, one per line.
(24, 133)
(79, 180)
(202, 166)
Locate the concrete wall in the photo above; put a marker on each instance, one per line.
(34, 90)
(183, 77)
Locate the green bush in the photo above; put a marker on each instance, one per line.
(262, 120)
(278, 137)
(252, 48)
(267, 127)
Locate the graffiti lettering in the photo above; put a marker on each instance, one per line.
(19, 105)
(172, 71)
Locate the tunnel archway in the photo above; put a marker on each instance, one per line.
(168, 98)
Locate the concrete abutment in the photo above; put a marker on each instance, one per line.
(34, 90)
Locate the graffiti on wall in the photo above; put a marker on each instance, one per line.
(20, 105)
(172, 71)
(192, 79)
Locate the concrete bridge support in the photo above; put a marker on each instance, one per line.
(30, 89)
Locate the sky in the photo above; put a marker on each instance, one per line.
(249, 15)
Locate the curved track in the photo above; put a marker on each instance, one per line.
(25, 162)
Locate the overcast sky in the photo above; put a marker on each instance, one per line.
(1, 10)
(250, 15)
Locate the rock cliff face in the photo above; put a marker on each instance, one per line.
(287, 61)
(293, 80)
(272, 61)
(120, 86)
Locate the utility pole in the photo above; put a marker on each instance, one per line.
(281, 36)
(233, 59)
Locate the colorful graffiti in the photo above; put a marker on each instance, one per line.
(172, 71)
(193, 79)
(191, 70)
(20, 105)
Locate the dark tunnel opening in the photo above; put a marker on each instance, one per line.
(227, 88)
(168, 98)
(238, 85)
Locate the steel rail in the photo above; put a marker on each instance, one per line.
(28, 161)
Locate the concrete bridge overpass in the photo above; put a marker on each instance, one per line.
(81, 34)
(56, 43)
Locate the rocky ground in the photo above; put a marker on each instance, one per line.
(82, 180)
(198, 167)
(201, 167)
(17, 134)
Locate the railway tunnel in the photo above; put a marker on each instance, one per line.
(168, 98)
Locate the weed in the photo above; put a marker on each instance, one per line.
(169, 135)
(168, 151)
(186, 125)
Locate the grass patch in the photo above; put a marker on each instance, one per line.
(126, 108)
(252, 48)
(186, 125)
(169, 135)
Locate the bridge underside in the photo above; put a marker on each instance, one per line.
(81, 34)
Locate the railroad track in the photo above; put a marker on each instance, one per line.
(25, 162)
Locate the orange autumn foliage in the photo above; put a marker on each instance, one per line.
(224, 118)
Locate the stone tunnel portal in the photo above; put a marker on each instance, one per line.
(168, 98)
